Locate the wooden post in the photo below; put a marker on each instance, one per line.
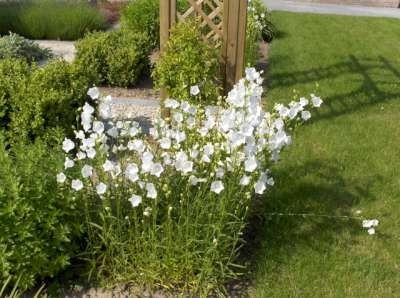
(234, 41)
(167, 21)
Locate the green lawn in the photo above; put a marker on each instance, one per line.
(346, 159)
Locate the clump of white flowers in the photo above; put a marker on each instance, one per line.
(186, 186)
(203, 144)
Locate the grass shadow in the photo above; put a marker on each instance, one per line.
(278, 229)
(373, 81)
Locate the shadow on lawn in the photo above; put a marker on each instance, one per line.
(376, 81)
(316, 187)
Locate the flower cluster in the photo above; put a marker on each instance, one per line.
(211, 148)
(259, 14)
(370, 224)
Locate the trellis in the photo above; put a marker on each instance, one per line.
(223, 21)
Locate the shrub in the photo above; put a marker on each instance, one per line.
(48, 101)
(38, 221)
(14, 74)
(188, 61)
(116, 58)
(259, 27)
(49, 19)
(259, 14)
(169, 209)
(15, 46)
(143, 16)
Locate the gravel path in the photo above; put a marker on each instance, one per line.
(338, 9)
(144, 111)
(65, 49)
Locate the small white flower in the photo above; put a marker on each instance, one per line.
(250, 164)
(147, 211)
(77, 184)
(135, 200)
(94, 93)
(194, 90)
(165, 143)
(217, 187)
(98, 127)
(316, 101)
(178, 117)
(371, 231)
(157, 169)
(69, 163)
(61, 178)
(91, 153)
(208, 149)
(369, 223)
(104, 110)
(87, 171)
(259, 187)
(251, 73)
(151, 191)
(136, 145)
(131, 172)
(219, 173)
(108, 166)
(81, 155)
(171, 103)
(68, 145)
(101, 188)
(113, 132)
(305, 115)
(245, 180)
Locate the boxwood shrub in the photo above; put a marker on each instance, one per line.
(187, 61)
(116, 58)
(35, 101)
(14, 74)
(39, 223)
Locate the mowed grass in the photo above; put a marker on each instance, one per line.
(347, 159)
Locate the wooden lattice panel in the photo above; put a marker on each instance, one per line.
(211, 14)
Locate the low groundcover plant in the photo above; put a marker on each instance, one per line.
(168, 209)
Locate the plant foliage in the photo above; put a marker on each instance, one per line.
(116, 58)
(38, 221)
(189, 61)
(15, 46)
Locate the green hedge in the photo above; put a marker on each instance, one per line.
(39, 222)
(116, 58)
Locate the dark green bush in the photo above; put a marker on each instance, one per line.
(35, 101)
(116, 58)
(15, 46)
(49, 19)
(14, 74)
(187, 61)
(48, 101)
(38, 221)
